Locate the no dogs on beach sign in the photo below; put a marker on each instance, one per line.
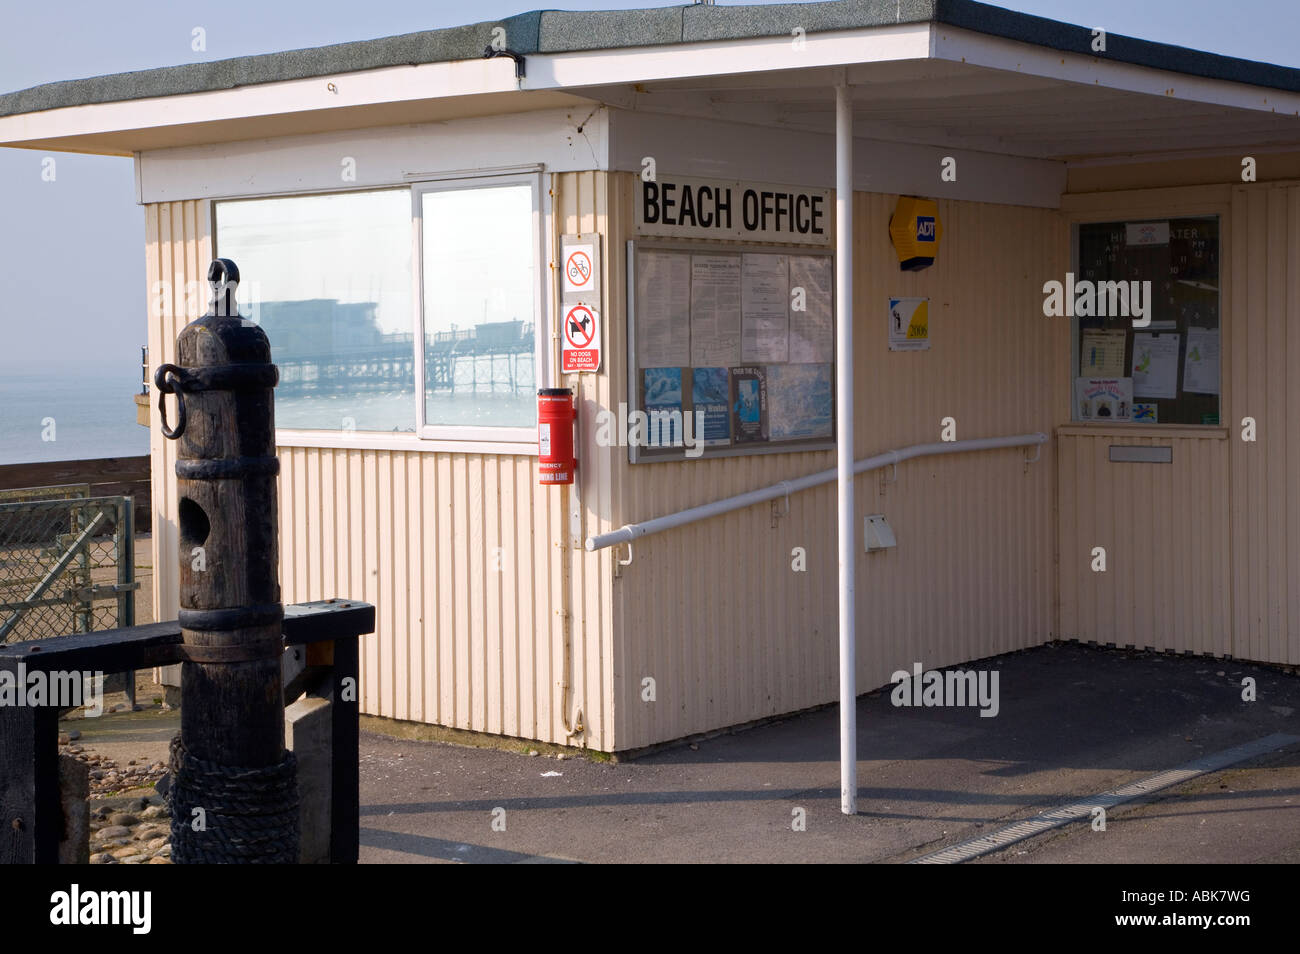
(580, 342)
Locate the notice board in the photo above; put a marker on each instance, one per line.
(731, 350)
(1166, 369)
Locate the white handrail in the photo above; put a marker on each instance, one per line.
(630, 532)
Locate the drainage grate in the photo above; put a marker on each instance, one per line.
(1076, 811)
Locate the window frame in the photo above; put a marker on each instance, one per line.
(1149, 205)
(432, 437)
(458, 434)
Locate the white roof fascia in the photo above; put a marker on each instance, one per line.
(573, 71)
(431, 81)
(369, 87)
(980, 49)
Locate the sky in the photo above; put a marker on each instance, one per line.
(73, 277)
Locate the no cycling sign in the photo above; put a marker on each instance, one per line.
(579, 276)
(580, 343)
(579, 268)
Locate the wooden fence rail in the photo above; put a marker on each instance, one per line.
(31, 820)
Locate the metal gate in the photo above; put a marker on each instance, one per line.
(67, 562)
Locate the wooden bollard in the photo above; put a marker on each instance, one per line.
(233, 789)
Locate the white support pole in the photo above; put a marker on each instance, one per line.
(844, 445)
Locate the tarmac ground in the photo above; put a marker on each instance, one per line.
(1073, 722)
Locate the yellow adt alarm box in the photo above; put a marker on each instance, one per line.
(915, 230)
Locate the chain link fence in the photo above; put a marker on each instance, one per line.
(67, 562)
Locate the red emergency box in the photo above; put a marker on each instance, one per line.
(555, 417)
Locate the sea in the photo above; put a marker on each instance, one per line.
(69, 413)
(89, 412)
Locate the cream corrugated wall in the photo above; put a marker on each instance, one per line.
(458, 642)
(1201, 553)
(1261, 358)
(178, 249)
(1164, 529)
(714, 612)
(581, 207)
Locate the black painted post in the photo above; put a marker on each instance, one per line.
(345, 801)
(31, 814)
(234, 789)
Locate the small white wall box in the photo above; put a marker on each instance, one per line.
(877, 532)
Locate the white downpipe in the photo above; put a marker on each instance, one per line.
(633, 531)
(844, 446)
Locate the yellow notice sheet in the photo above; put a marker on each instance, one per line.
(1101, 354)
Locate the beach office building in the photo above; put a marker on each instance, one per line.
(1070, 276)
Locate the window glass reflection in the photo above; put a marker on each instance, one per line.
(329, 280)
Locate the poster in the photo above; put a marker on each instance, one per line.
(909, 324)
(1146, 233)
(765, 308)
(1201, 365)
(1104, 399)
(1155, 365)
(800, 399)
(663, 281)
(663, 394)
(748, 404)
(1144, 413)
(709, 394)
(1101, 353)
(715, 310)
(812, 327)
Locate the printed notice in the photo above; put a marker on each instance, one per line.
(709, 396)
(909, 324)
(1146, 233)
(1104, 399)
(748, 404)
(765, 306)
(812, 316)
(663, 291)
(799, 401)
(715, 310)
(1101, 354)
(663, 406)
(1155, 365)
(1201, 365)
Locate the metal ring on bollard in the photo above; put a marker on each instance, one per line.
(168, 380)
(223, 279)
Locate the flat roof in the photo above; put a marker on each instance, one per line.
(562, 31)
